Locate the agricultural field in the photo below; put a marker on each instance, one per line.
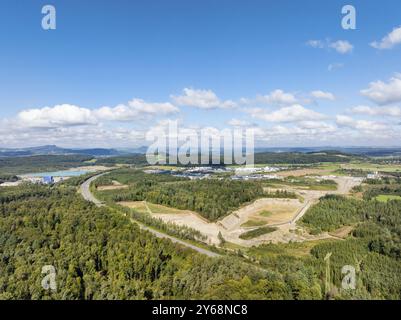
(371, 167)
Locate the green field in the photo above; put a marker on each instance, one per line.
(386, 197)
(253, 223)
(265, 213)
(366, 166)
(257, 233)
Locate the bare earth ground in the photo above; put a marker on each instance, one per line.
(115, 186)
(91, 168)
(303, 172)
(342, 232)
(284, 215)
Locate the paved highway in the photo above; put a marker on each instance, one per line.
(86, 193)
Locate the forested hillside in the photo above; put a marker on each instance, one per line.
(302, 158)
(374, 245)
(98, 254)
(20, 165)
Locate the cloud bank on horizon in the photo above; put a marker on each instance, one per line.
(335, 88)
(280, 117)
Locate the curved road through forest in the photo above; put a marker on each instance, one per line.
(87, 195)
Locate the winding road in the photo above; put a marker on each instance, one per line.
(87, 195)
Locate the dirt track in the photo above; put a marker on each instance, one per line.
(85, 191)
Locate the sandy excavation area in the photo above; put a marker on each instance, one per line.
(178, 217)
(115, 186)
(280, 213)
(271, 211)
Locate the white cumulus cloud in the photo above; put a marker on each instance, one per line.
(389, 41)
(59, 115)
(340, 46)
(316, 44)
(133, 110)
(278, 97)
(318, 94)
(377, 111)
(238, 123)
(363, 125)
(384, 92)
(335, 66)
(203, 99)
(287, 114)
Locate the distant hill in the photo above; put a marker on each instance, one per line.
(104, 152)
(365, 151)
(54, 150)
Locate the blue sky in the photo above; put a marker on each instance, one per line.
(112, 70)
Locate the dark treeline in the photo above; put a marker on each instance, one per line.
(20, 165)
(388, 189)
(8, 178)
(308, 182)
(299, 158)
(133, 176)
(259, 158)
(135, 159)
(281, 194)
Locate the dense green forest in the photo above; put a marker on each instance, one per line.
(211, 198)
(333, 212)
(377, 222)
(301, 158)
(386, 189)
(378, 276)
(135, 159)
(100, 254)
